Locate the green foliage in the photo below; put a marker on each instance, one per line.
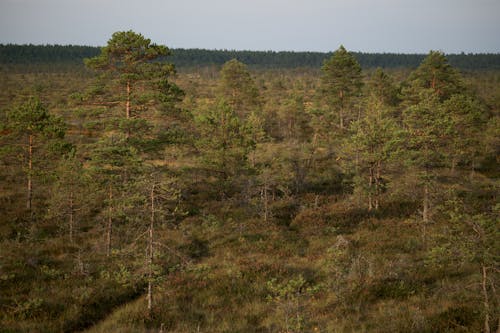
(468, 119)
(33, 118)
(374, 142)
(287, 296)
(247, 219)
(436, 74)
(224, 141)
(383, 87)
(126, 53)
(428, 127)
(238, 89)
(341, 82)
(11, 54)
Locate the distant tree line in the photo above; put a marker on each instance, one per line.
(22, 54)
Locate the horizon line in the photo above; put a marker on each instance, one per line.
(264, 51)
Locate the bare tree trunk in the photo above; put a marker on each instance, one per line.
(425, 213)
(30, 171)
(150, 253)
(79, 263)
(297, 314)
(453, 165)
(71, 216)
(110, 222)
(266, 202)
(341, 110)
(377, 185)
(341, 115)
(486, 301)
(370, 184)
(425, 210)
(127, 107)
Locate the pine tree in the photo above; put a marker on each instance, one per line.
(436, 74)
(382, 86)
(115, 166)
(468, 120)
(374, 140)
(238, 88)
(224, 141)
(34, 127)
(70, 199)
(341, 83)
(428, 127)
(294, 120)
(132, 62)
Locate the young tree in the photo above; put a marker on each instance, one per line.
(436, 74)
(238, 88)
(468, 120)
(163, 201)
(294, 119)
(115, 165)
(224, 141)
(69, 197)
(33, 125)
(373, 141)
(382, 87)
(340, 83)
(429, 121)
(472, 238)
(427, 126)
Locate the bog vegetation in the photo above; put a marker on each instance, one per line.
(234, 199)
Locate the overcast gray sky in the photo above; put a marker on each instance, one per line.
(451, 26)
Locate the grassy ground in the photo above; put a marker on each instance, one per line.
(332, 269)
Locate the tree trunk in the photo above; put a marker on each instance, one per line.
(110, 222)
(486, 301)
(30, 171)
(425, 214)
(150, 253)
(377, 185)
(341, 110)
(425, 210)
(453, 165)
(71, 216)
(266, 203)
(370, 184)
(127, 107)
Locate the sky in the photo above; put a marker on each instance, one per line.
(402, 26)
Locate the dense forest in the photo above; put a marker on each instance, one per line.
(247, 192)
(188, 58)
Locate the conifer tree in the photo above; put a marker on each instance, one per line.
(341, 83)
(132, 61)
(224, 141)
(468, 120)
(374, 140)
(238, 88)
(115, 165)
(436, 74)
(33, 126)
(427, 128)
(294, 119)
(382, 86)
(69, 200)
(428, 120)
